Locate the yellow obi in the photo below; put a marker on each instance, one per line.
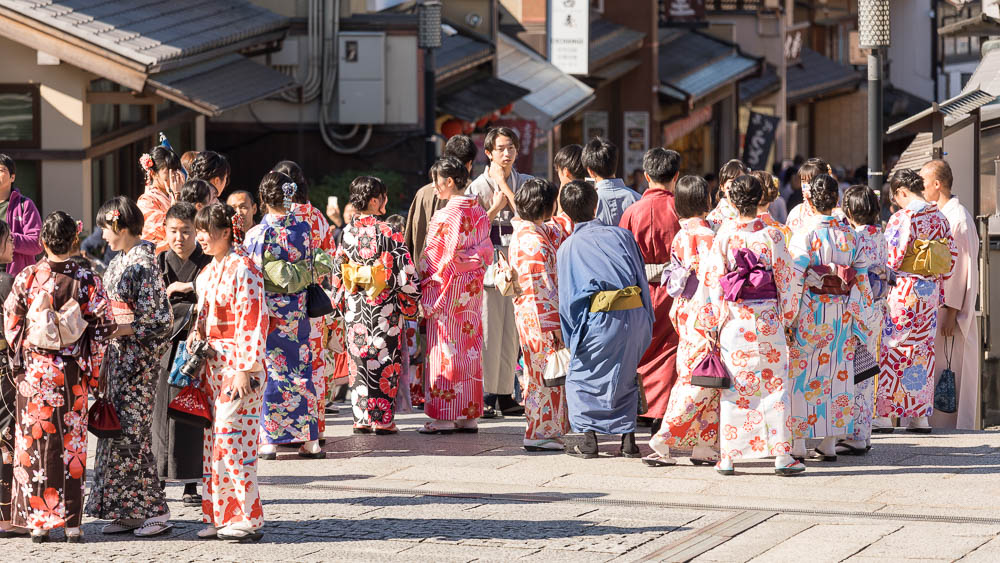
(369, 278)
(616, 300)
(927, 258)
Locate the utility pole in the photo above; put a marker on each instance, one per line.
(428, 39)
(873, 34)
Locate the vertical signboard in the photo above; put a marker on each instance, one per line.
(636, 127)
(595, 124)
(569, 35)
(758, 140)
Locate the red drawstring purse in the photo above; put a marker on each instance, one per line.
(102, 417)
(191, 406)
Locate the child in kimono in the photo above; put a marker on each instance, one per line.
(692, 417)
(861, 206)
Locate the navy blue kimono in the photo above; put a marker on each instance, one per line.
(602, 389)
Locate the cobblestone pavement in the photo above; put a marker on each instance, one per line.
(480, 497)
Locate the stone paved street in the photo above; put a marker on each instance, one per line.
(480, 497)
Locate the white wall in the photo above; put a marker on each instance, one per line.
(910, 47)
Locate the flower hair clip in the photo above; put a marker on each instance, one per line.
(112, 217)
(238, 234)
(146, 161)
(79, 227)
(289, 190)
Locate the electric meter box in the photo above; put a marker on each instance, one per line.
(377, 78)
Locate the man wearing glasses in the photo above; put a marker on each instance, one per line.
(494, 189)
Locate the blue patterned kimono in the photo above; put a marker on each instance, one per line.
(289, 412)
(602, 390)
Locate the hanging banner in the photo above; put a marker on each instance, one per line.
(569, 35)
(595, 124)
(758, 140)
(636, 140)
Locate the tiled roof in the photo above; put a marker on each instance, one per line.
(815, 75)
(693, 64)
(459, 51)
(151, 32)
(609, 41)
(477, 96)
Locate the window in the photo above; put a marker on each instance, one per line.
(20, 116)
(106, 119)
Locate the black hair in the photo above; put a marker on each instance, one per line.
(812, 168)
(570, 157)
(731, 170)
(249, 195)
(661, 165)
(941, 171)
(397, 222)
(271, 189)
(745, 193)
(861, 205)
(163, 159)
(461, 147)
(451, 167)
(601, 157)
(824, 192)
(208, 165)
(59, 232)
(196, 191)
(294, 171)
(906, 178)
(578, 200)
(218, 217)
(8, 163)
(770, 189)
(489, 143)
(129, 216)
(182, 211)
(536, 199)
(692, 197)
(364, 189)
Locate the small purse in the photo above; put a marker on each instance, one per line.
(318, 303)
(176, 378)
(556, 368)
(865, 365)
(191, 406)
(945, 393)
(102, 418)
(503, 276)
(711, 372)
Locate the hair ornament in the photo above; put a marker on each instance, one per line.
(805, 189)
(112, 217)
(289, 190)
(238, 233)
(79, 227)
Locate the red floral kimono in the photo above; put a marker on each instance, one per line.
(452, 267)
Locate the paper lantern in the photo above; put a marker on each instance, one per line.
(507, 108)
(482, 122)
(451, 127)
(468, 127)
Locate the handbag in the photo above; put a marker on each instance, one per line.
(711, 372)
(176, 378)
(865, 365)
(318, 303)
(945, 393)
(191, 406)
(102, 417)
(503, 276)
(556, 368)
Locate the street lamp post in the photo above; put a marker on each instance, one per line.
(873, 34)
(428, 39)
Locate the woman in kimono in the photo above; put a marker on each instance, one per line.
(771, 194)
(376, 287)
(126, 485)
(922, 254)
(749, 300)
(50, 428)
(324, 247)
(861, 206)
(536, 311)
(802, 215)
(456, 254)
(692, 417)
(164, 179)
(280, 246)
(725, 211)
(232, 318)
(831, 312)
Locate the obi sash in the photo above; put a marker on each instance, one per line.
(927, 258)
(679, 281)
(824, 280)
(282, 276)
(369, 278)
(750, 281)
(122, 313)
(224, 323)
(616, 300)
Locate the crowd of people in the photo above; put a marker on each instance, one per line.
(216, 337)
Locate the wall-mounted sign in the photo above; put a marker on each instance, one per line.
(595, 124)
(758, 140)
(569, 35)
(636, 140)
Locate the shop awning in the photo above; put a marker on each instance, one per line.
(457, 53)
(917, 154)
(977, 26)
(757, 87)
(207, 87)
(693, 65)
(553, 95)
(610, 42)
(478, 95)
(816, 76)
(176, 48)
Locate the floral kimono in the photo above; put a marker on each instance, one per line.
(754, 410)
(803, 214)
(232, 316)
(457, 252)
(692, 416)
(126, 484)
(871, 243)
(154, 204)
(50, 456)
(771, 222)
(279, 246)
(376, 287)
(831, 312)
(323, 371)
(906, 378)
(536, 309)
(723, 212)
